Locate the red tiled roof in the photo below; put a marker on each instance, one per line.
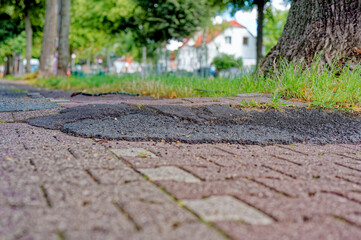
(210, 35)
(185, 42)
(234, 23)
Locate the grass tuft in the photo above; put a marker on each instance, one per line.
(325, 87)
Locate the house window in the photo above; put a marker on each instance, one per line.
(228, 40)
(245, 41)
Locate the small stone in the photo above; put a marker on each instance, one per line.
(227, 208)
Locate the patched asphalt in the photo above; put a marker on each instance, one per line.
(209, 124)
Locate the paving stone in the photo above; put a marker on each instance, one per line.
(39, 235)
(311, 191)
(314, 228)
(134, 152)
(162, 216)
(96, 234)
(6, 117)
(180, 231)
(223, 208)
(23, 195)
(115, 176)
(95, 215)
(215, 173)
(177, 161)
(239, 187)
(168, 173)
(25, 115)
(16, 222)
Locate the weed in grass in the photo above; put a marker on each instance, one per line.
(250, 103)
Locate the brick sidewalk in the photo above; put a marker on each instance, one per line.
(55, 186)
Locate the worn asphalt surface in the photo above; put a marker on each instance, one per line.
(206, 124)
(125, 167)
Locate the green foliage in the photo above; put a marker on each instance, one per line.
(122, 27)
(162, 20)
(235, 5)
(9, 27)
(225, 61)
(10, 45)
(12, 15)
(273, 27)
(12, 26)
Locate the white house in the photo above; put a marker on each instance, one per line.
(231, 38)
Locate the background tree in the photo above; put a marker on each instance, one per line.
(236, 5)
(274, 22)
(160, 21)
(47, 58)
(24, 11)
(328, 28)
(63, 50)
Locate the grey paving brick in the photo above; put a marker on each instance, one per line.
(239, 187)
(314, 228)
(116, 176)
(25, 115)
(223, 208)
(172, 160)
(168, 173)
(134, 152)
(22, 195)
(6, 117)
(180, 231)
(162, 216)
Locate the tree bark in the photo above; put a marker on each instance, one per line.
(29, 41)
(47, 58)
(63, 59)
(330, 29)
(260, 18)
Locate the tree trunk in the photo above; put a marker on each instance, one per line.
(329, 28)
(63, 59)
(47, 58)
(260, 18)
(29, 41)
(8, 65)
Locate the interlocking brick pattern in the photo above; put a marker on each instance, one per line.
(77, 188)
(55, 186)
(304, 189)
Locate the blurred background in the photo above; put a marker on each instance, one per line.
(205, 38)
